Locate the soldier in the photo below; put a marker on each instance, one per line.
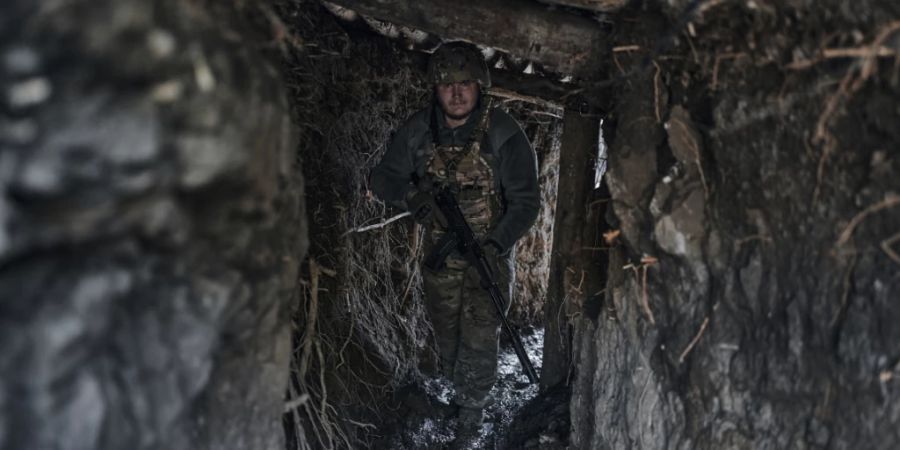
(481, 151)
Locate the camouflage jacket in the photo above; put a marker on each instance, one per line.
(514, 160)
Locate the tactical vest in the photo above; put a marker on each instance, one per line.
(468, 171)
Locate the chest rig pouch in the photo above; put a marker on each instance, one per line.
(468, 171)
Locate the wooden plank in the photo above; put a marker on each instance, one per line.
(565, 42)
(569, 264)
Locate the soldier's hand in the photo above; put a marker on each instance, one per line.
(493, 256)
(421, 206)
(425, 184)
(424, 209)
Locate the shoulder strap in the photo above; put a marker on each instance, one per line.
(433, 124)
(481, 129)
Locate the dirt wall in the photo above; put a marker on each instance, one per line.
(751, 294)
(151, 228)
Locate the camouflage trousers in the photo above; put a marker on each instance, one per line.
(466, 327)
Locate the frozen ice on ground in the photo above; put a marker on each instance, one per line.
(439, 388)
(510, 393)
(431, 433)
(513, 390)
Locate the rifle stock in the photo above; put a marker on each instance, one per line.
(468, 246)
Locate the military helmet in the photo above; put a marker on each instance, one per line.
(458, 61)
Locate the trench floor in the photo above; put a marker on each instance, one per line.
(509, 421)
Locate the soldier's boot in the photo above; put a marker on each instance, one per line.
(442, 410)
(468, 431)
(417, 400)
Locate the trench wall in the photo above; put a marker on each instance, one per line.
(151, 224)
(751, 299)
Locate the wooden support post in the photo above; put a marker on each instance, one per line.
(569, 264)
(566, 42)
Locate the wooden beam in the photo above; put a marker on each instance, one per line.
(538, 88)
(534, 86)
(507, 94)
(561, 41)
(527, 87)
(569, 263)
(593, 5)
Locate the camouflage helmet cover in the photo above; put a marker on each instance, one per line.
(458, 61)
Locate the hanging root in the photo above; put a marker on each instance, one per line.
(889, 201)
(646, 262)
(834, 53)
(694, 341)
(656, 92)
(853, 81)
(719, 58)
(887, 247)
(360, 328)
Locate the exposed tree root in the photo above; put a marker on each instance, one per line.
(640, 275)
(694, 341)
(719, 57)
(656, 92)
(887, 247)
(846, 52)
(889, 201)
(853, 81)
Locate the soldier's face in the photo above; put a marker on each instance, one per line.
(457, 99)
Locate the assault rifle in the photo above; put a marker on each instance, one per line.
(460, 237)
